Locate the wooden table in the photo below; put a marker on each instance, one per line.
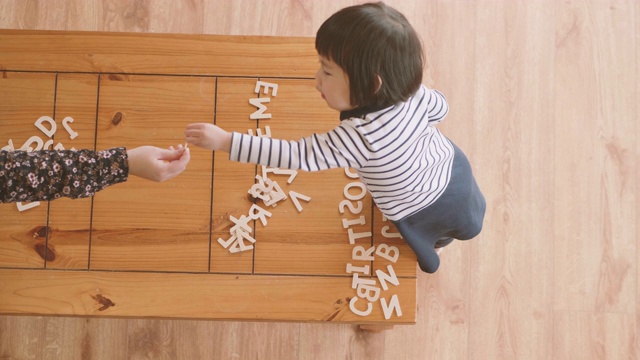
(143, 249)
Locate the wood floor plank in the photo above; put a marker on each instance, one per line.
(271, 18)
(443, 324)
(21, 337)
(75, 338)
(637, 156)
(347, 341)
(254, 340)
(144, 16)
(151, 340)
(594, 158)
(590, 335)
(512, 270)
(69, 15)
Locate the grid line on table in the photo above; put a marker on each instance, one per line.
(47, 222)
(346, 275)
(213, 166)
(95, 145)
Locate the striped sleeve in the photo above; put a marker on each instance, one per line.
(437, 106)
(344, 146)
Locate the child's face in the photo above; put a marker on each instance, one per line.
(333, 84)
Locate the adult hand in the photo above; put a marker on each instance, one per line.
(156, 164)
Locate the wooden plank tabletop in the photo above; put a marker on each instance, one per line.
(171, 54)
(144, 249)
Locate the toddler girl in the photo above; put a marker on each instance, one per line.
(371, 64)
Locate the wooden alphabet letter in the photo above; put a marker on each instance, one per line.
(266, 87)
(387, 309)
(259, 114)
(22, 207)
(48, 132)
(295, 196)
(34, 139)
(9, 147)
(65, 124)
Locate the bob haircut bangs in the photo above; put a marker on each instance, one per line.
(372, 40)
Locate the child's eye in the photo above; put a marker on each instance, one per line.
(326, 73)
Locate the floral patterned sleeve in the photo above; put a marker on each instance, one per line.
(50, 174)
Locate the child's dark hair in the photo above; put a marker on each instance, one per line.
(371, 40)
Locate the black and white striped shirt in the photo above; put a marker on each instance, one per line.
(404, 161)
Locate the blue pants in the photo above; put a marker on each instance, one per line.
(458, 213)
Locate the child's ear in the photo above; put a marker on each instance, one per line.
(378, 83)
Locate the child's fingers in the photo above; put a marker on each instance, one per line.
(193, 132)
(196, 126)
(195, 140)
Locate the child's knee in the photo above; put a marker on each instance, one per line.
(431, 265)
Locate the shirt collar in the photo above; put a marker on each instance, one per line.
(360, 112)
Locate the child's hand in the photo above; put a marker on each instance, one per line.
(154, 163)
(208, 136)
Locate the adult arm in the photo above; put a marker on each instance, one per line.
(51, 174)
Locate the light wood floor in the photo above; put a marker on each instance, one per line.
(543, 97)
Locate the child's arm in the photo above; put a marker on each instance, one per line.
(438, 107)
(208, 136)
(341, 147)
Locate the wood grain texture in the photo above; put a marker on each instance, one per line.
(148, 233)
(557, 217)
(22, 337)
(70, 220)
(159, 54)
(585, 335)
(140, 227)
(316, 241)
(146, 226)
(232, 180)
(384, 232)
(347, 341)
(594, 52)
(512, 277)
(637, 164)
(26, 97)
(196, 296)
